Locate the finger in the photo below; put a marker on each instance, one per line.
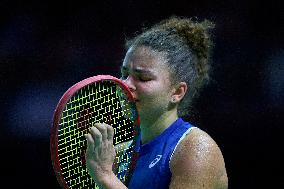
(90, 141)
(97, 136)
(110, 133)
(103, 130)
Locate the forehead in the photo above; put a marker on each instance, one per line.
(144, 58)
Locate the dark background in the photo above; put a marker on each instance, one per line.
(45, 47)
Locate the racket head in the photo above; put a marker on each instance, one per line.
(104, 99)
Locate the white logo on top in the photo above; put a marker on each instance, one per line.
(155, 161)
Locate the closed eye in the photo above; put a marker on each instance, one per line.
(139, 74)
(144, 78)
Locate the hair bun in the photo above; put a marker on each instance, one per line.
(196, 34)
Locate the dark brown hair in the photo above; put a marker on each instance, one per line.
(187, 46)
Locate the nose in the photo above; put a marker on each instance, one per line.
(129, 82)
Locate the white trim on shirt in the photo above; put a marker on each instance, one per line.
(181, 138)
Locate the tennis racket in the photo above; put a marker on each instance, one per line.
(98, 99)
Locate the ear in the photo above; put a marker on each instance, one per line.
(178, 92)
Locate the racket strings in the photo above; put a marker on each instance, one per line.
(89, 116)
(100, 102)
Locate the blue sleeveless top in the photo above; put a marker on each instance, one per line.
(152, 168)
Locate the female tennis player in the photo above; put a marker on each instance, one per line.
(164, 67)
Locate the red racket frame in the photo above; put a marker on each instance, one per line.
(58, 112)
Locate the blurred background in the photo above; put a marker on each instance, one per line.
(46, 47)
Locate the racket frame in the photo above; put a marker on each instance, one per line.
(58, 112)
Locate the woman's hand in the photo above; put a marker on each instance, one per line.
(100, 152)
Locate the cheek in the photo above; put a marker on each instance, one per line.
(151, 90)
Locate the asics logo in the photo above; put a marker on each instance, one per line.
(155, 161)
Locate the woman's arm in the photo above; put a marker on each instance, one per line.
(198, 163)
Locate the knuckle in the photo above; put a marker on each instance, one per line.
(95, 132)
(108, 127)
(103, 129)
(100, 126)
(98, 135)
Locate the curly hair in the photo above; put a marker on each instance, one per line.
(187, 47)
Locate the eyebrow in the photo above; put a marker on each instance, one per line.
(137, 70)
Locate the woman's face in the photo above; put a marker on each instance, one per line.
(146, 74)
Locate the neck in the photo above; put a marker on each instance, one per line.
(151, 128)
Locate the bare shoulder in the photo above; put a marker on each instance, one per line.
(198, 163)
